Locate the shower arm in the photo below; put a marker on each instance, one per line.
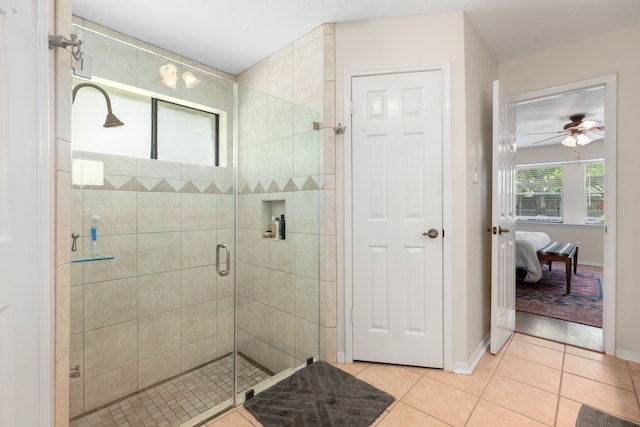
(112, 121)
(81, 85)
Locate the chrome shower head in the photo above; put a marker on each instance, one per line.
(111, 121)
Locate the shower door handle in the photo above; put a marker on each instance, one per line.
(226, 248)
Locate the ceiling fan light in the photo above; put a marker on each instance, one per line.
(583, 139)
(588, 124)
(569, 141)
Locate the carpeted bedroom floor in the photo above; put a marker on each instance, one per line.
(548, 296)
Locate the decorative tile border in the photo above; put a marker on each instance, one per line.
(287, 186)
(161, 185)
(158, 185)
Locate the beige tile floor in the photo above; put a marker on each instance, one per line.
(177, 400)
(531, 382)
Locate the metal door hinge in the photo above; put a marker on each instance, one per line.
(350, 107)
(353, 316)
(340, 130)
(74, 42)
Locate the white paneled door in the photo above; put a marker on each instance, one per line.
(503, 222)
(397, 218)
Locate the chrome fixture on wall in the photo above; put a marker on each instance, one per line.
(340, 130)
(74, 372)
(111, 121)
(61, 41)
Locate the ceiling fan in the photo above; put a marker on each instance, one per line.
(575, 131)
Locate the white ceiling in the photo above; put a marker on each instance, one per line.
(540, 122)
(232, 35)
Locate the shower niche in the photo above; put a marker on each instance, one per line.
(274, 219)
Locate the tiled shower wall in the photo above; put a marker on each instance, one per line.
(119, 58)
(302, 72)
(158, 308)
(62, 82)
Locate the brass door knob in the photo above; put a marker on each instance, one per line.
(433, 233)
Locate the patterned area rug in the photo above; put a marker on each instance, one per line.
(319, 395)
(547, 297)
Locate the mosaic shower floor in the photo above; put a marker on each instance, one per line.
(179, 399)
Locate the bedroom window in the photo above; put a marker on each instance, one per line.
(539, 194)
(594, 193)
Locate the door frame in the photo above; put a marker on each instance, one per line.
(447, 295)
(610, 83)
(46, 212)
(41, 378)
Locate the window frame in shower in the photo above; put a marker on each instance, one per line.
(95, 138)
(155, 122)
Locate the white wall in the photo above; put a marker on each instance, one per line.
(589, 239)
(564, 64)
(432, 39)
(481, 69)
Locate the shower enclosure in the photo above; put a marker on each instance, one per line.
(198, 303)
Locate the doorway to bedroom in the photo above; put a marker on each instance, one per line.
(560, 188)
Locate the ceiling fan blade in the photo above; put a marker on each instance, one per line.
(586, 124)
(546, 139)
(596, 134)
(542, 133)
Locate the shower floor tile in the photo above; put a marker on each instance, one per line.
(179, 399)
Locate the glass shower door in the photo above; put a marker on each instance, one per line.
(153, 329)
(278, 238)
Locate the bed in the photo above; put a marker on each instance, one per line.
(527, 245)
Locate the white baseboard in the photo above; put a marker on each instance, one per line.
(469, 366)
(340, 357)
(590, 263)
(628, 355)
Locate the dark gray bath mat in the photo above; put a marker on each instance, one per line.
(590, 417)
(319, 395)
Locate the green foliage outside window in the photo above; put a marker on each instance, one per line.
(594, 193)
(539, 194)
